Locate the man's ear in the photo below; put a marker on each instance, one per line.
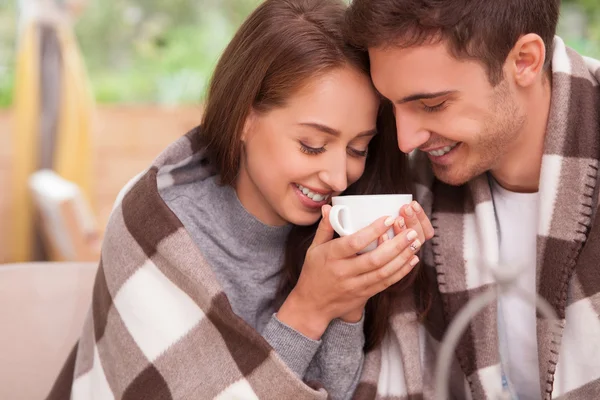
(525, 61)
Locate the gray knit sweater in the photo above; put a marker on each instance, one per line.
(247, 256)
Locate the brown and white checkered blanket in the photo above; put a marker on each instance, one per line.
(568, 248)
(160, 325)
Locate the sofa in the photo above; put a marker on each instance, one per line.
(42, 309)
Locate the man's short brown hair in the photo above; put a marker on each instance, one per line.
(484, 30)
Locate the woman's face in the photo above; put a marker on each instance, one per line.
(297, 156)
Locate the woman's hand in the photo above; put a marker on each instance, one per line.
(337, 282)
(410, 217)
(413, 217)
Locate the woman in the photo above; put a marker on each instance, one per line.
(191, 300)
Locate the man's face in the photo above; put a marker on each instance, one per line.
(448, 109)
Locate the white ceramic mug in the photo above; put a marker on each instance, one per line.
(350, 214)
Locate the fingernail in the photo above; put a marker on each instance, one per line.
(389, 221)
(409, 212)
(411, 235)
(414, 246)
(384, 237)
(401, 223)
(416, 207)
(414, 261)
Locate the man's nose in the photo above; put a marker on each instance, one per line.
(410, 132)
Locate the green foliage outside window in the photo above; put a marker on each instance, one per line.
(164, 51)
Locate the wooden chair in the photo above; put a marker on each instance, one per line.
(69, 228)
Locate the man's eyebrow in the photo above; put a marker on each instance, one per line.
(424, 96)
(334, 132)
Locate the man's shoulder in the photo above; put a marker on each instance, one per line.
(568, 61)
(593, 66)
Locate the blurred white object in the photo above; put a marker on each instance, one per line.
(41, 10)
(68, 223)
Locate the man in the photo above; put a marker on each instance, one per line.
(508, 120)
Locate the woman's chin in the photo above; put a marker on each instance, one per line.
(304, 218)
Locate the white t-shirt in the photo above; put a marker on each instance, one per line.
(517, 216)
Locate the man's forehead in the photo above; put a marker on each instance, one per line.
(420, 69)
(429, 53)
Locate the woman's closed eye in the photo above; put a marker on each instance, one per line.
(352, 152)
(311, 150)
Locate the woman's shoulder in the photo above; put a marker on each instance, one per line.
(188, 197)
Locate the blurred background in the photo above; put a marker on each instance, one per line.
(91, 91)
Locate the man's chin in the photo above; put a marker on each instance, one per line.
(450, 177)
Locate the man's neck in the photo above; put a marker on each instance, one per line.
(519, 170)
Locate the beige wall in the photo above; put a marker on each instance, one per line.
(125, 141)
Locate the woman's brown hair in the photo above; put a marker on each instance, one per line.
(280, 47)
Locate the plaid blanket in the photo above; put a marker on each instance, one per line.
(568, 249)
(161, 327)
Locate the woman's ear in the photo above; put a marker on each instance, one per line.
(248, 124)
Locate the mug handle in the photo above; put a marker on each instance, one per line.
(334, 219)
